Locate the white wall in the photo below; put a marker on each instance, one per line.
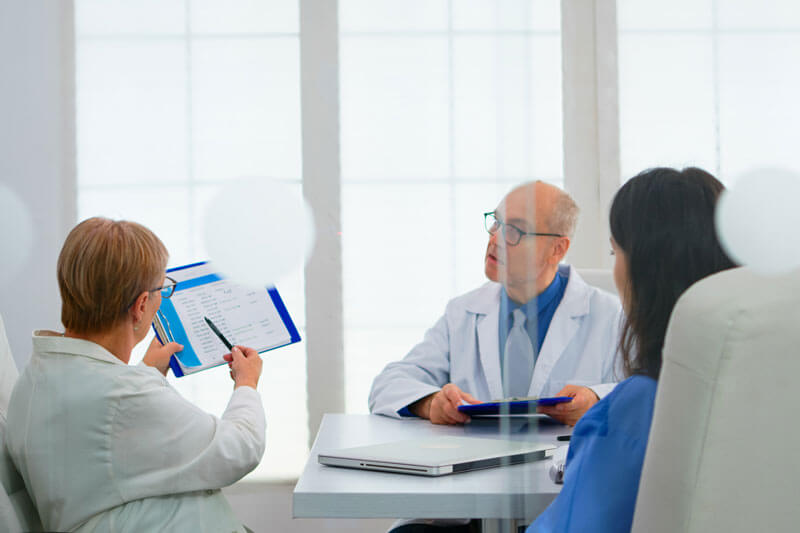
(37, 156)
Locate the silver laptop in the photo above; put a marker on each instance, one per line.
(437, 456)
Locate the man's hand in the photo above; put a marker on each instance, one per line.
(570, 412)
(158, 356)
(442, 407)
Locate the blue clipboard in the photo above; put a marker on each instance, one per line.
(169, 327)
(510, 407)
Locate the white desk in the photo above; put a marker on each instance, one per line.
(517, 492)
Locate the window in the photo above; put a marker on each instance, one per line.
(168, 108)
(708, 83)
(444, 107)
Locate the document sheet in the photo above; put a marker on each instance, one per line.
(246, 316)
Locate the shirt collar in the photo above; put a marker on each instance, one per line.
(45, 341)
(535, 305)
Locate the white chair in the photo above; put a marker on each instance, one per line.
(724, 447)
(600, 278)
(17, 512)
(8, 370)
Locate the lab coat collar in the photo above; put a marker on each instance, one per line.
(487, 325)
(45, 341)
(484, 300)
(484, 303)
(574, 305)
(576, 300)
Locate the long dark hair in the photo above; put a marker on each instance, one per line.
(663, 219)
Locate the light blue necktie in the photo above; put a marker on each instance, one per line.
(517, 358)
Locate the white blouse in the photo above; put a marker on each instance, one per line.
(106, 446)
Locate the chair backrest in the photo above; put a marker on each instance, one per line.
(600, 278)
(8, 370)
(723, 453)
(17, 512)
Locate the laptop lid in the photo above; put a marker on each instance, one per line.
(436, 456)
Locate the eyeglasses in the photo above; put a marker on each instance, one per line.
(510, 233)
(167, 289)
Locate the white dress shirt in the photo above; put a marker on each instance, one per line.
(104, 446)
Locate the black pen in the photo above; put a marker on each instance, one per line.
(218, 333)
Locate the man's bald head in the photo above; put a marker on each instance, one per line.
(543, 219)
(550, 206)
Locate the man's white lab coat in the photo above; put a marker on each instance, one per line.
(463, 348)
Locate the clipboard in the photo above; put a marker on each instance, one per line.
(255, 317)
(511, 406)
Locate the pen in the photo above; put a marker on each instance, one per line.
(218, 333)
(563, 437)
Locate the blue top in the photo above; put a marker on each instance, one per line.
(604, 463)
(542, 307)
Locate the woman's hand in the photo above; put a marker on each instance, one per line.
(245, 365)
(158, 356)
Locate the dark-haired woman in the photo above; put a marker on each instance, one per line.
(663, 239)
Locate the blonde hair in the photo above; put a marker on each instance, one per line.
(103, 267)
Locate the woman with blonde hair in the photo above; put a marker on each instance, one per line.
(107, 446)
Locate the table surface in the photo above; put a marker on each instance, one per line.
(509, 492)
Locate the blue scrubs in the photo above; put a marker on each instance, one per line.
(604, 463)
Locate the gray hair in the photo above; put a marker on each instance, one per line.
(563, 215)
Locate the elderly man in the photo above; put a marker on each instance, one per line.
(536, 329)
